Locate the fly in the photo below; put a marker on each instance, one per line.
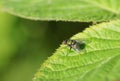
(74, 44)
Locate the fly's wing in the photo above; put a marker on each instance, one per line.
(80, 44)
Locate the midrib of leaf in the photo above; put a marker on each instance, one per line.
(103, 64)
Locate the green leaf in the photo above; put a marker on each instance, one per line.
(98, 61)
(64, 10)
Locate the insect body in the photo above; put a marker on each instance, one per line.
(74, 44)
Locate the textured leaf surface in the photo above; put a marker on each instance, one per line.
(98, 61)
(72, 10)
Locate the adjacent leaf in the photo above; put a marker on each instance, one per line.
(98, 61)
(64, 10)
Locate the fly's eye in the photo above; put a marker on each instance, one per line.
(74, 42)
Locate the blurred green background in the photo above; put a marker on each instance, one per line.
(26, 44)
